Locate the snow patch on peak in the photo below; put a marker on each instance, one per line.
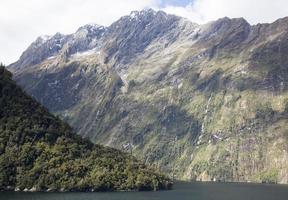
(138, 14)
(133, 14)
(44, 38)
(41, 40)
(91, 27)
(51, 58)
(94, 25)
(85, 53)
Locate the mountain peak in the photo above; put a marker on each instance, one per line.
(136, 14)
(91, 27)
(44, 37)
(41, 40)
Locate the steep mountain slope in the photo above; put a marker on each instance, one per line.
(205, 102)
(39, 152)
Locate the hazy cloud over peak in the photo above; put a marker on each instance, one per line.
(254, 11)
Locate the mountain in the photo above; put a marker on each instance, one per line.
(201, 102)
(39, 152)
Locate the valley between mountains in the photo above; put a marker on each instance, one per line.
(198, 102)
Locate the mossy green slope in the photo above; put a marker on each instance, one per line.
(39, 152)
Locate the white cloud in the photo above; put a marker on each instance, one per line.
(21, 21)
(255, 11)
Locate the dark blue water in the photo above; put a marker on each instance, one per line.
(181, 191)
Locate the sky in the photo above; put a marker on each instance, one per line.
(22, 21)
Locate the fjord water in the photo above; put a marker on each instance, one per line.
(181, 191)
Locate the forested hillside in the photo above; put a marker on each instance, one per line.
(39, 152)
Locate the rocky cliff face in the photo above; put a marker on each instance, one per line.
(205, 102)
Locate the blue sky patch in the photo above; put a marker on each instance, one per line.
(181, 3)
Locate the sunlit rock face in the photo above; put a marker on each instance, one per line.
(205, 102)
